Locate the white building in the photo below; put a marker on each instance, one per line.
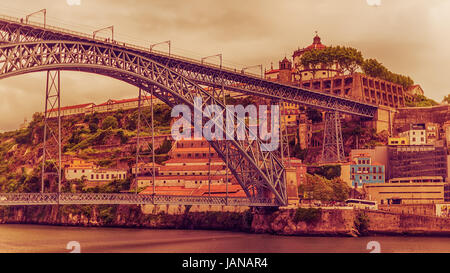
(417, 134)
(80, 169)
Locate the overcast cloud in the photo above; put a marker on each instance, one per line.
(407, 36)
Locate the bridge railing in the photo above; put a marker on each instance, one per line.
(131, 46)
(16, 199)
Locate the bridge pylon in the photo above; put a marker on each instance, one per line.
(51, 149)
(333, 147)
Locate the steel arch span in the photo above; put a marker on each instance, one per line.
(260, 173)
(12, 30)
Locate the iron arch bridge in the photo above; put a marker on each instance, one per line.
(27, 48)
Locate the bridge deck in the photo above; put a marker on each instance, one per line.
(33, 199)
(202, 73)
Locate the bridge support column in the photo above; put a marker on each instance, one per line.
(284, 137)
(292, 186)
(52, 135)
(333, 147)
(143, 101)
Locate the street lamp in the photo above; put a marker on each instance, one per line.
(217, 55)
(112, 32)
(253, 66)
(44, 11)
(165, 42)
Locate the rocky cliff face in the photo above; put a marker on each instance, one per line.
(122, 216)
(292, 222)
(285, 222)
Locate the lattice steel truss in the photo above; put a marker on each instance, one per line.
(24, 199)
(144, 121)
(51, 148)
(259, 173)
(12, 31)
(333, 147)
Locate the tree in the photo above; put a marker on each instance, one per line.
(24, 136)
(421, 101)
(93, 127)
(110, 122)
(373, 68)
(164, 148)
(320, 188)
(346, 58)
(314, 115)
(340, 189)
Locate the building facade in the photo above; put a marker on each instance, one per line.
(191, 164)
(417, 134)
(364, 171)
(91, 174)
(108, 106)
(410, 190)
(417, 161)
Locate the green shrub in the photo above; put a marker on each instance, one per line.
(93, 127)
(309, 215)
(107, 214)
(362, 223)
(123, 137)
(24, 137)
(110, 122)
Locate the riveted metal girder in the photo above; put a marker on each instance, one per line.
(258, 172)
(12, 31)
(33, 199)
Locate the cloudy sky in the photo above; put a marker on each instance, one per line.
(407, 36)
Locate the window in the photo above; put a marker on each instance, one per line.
(107, 176)
(75, 171)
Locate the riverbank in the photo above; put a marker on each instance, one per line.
(290, 222)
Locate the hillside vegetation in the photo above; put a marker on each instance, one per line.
(103, 138)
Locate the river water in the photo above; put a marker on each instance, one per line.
(54, 239)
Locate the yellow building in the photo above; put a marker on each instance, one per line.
(396, 141)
